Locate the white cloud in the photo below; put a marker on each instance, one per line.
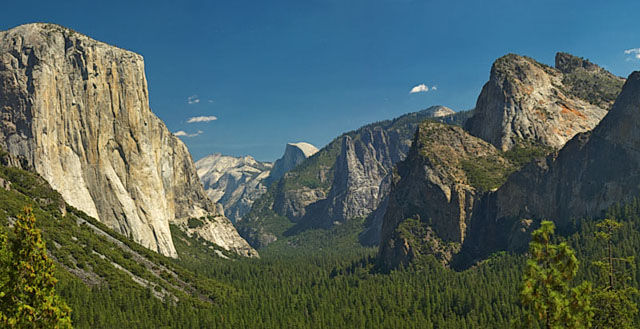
(421, 88)
(202, 119)
(193, 99)
(185, 134)
(434, 88)
(633, 51)
(210, 101)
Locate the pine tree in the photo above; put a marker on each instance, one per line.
(613, 300)
(30, 300)
(5, 265)
(551, 302)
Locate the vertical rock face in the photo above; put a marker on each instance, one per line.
(434, 192)
(360, 168)
(342, 181)
(525, 101)
(294, 154)
(525, 109)
(592, 172)
(234, 182)
(78, 111)
(359, 184)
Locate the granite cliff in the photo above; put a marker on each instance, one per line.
(342, 181)
(294, 154)
(234, 182)
(573, 98)
(434, 192)
(594, 171)
(528, 102)
(77, 112)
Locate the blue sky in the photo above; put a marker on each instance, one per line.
(273, 72)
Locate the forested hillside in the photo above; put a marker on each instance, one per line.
(286, 288)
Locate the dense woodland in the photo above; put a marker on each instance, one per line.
(318, 279)
(344, 289)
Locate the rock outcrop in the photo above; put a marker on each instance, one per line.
(588, 81)
(343, 181)
(434, 192)
(294, 154)
(439, 111)
(234, 182)
(525, 101)
(592, 172)
(77, 110)
(526, 110)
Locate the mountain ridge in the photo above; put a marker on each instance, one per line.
(526, 101)
(342, 181)
(512, 194)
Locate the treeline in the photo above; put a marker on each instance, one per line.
(291, 287)
(333, 290)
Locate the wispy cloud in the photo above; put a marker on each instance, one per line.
(635, 52)
(434, 88)
(193, 99)
(421, 88)
(210, 101)
(202, 119)
(182, 133)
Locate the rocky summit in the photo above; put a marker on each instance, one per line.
(528, 102)
(234, 182)
(76, 111)
(294, 154)
(347, 179)
(434, 192)
(595, 170)
(455, 196)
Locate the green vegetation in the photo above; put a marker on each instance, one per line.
(410, 229)
(546, 294)
(486, 173)
(105, 278)
(317, 173)
(423, 241)
(460, 118)
(613, 301)
(338, 239)
(597, 88)
(522, 153)
(27, 284)
(263, 219)
(193, 222)
(317, 279)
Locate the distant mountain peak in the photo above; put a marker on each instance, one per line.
(305, 147)
(439, 111)
(294, 154)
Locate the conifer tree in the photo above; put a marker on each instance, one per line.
(30, 300)
(613, 299)
(546, 294)
(5, 265)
